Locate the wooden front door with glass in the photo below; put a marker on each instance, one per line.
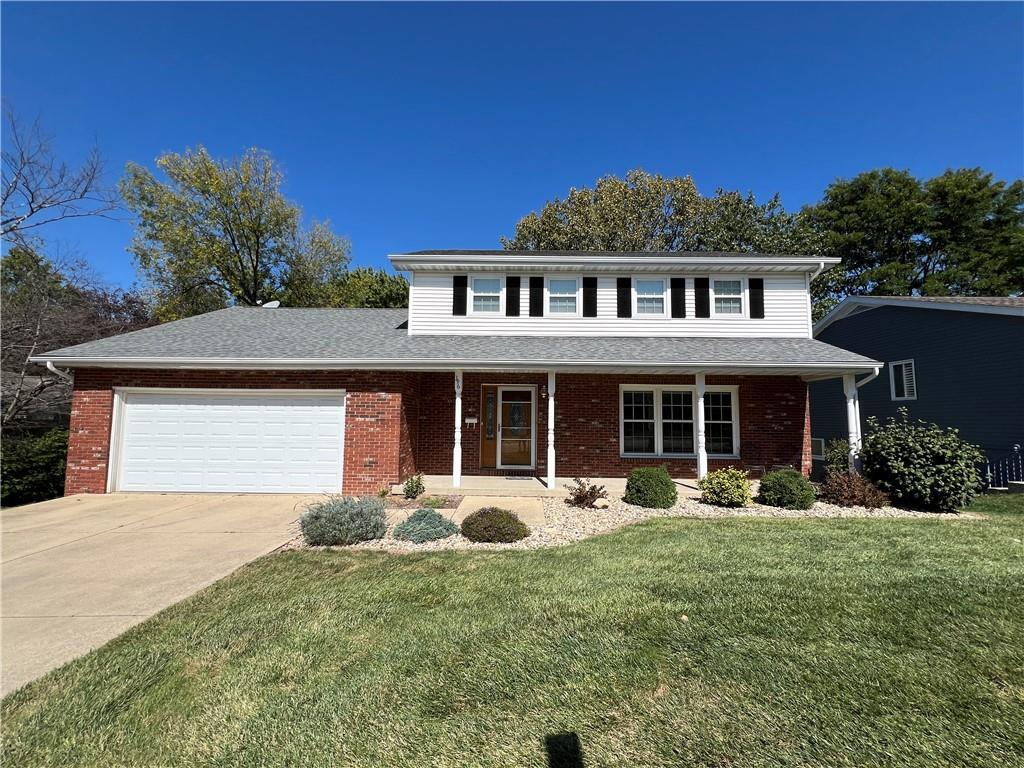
(507, 426)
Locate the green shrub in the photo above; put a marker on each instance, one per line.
(650, 487)
(788, 489)
(585, 494)
(33, 467)
(425, 525)
(343, 520)
(492, 524)
(414, 486)
(837, 457)
(726, 487)
(921, 465)
(846, 490)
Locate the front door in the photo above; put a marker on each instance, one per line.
(507, 427)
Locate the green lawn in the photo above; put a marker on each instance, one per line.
(732, 642)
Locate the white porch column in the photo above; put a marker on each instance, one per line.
(457, 448)
(702, 452)
(551, 429)
(852, 420)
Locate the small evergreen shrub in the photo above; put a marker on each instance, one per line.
(492, 524)
(837, 457)
(425, 525)
(343, 520)
(32, 467)
(787, 489)
(585, 494)
(650, 487)
(726, 487)
(846, 490)
(921, 465)
(414, 486)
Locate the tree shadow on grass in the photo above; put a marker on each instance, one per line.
(564, 750)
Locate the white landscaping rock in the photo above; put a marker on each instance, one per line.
(564, 524)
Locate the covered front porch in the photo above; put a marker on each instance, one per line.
(530, 432)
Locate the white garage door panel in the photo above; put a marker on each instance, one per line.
(267, 443)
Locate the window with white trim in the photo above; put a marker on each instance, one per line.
(487, 294)
(650, 296)
(727, 297)
(902, 380)
(562, 299)
(659, 421)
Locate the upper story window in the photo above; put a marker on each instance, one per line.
(487, 294)
(650, 297)
(728, 297)
(562, 296)
(903, 380)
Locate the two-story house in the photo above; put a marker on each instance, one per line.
(543, 364)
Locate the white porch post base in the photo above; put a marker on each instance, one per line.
(457, 448)
(702, 452)
(852, 420)
(551, 429)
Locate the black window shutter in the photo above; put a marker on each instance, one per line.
(756, 297)
(624, 296)
(678, 286)
(537, 296)
(590, 297)
(512, 296)
(701, 297)
(460, 283)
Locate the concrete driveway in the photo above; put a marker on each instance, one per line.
(80, 570)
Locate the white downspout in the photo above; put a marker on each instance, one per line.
(57, 371)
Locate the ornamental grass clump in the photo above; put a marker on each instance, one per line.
(494, 525)
(786, 488)
(650, 487)
(921, 465)
(726, 487)
(338, 520)
(425, 525)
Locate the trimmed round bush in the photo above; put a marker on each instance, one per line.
(846, 490)
(425, 525)
(343, 520)
(726, 487)
(921, 465)
(650, 487)
(494, 525)
(786, 488)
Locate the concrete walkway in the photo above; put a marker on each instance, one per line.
(78, 571)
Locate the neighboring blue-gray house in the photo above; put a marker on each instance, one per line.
(955, 361)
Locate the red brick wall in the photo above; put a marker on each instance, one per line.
(378, 433)
(774, 423)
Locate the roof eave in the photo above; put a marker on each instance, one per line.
(846, 307)
(607, 262)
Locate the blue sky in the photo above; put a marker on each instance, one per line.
(426, 126)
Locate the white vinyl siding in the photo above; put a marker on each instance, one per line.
(902, 380)
(785, 304)
(229, 442)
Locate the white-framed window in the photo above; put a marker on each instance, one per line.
(902, 380)
(728, 297)
(487, 294)
(649, 296)
(563, 296)
(660, 421)
(817, 447)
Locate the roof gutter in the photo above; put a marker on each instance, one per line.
(547, 261)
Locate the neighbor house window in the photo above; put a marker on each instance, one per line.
(487, 294)
(728, 297)
(903, 380)
(817, 448)
(650, 297)
(562, 296)
(659, 421)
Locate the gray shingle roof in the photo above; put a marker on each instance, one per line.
(368, 335)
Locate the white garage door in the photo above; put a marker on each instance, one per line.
(259, 442)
